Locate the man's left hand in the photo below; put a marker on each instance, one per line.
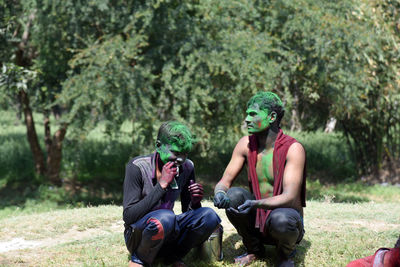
(196, 192)
(245, 208)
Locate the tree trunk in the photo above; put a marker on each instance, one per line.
(23, 57)
(330, 125)
(37, 153)
(23, 60)
(47, 132)
(294, 120)
(54, 156)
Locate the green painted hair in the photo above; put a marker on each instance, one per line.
(174, 132)
(268, 101)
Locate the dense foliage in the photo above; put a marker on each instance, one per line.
(199, 62)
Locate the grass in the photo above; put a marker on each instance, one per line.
(72, 226)
(351, 192)
(336, 233)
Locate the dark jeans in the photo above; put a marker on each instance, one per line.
(284, 226)
(170, 236)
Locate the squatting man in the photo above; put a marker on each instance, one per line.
(151, 186)
(272, 211)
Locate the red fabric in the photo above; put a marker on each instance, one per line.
(160, 229)
(390, 258)
(282, 144)
(364, 262)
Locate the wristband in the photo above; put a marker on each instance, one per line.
(220, 190)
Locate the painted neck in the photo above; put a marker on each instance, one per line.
(266, 139)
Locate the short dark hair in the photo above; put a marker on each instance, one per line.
(176, 132)
(268, 101)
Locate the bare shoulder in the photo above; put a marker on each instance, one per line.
(242, 145)
(296, 151)
(244, 141)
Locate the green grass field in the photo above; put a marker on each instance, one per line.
(41, 225)
(336, 233)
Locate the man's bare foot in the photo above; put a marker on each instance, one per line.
(134, 264)
(245, 259)
(178, 264)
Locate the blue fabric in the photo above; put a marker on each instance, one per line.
(135, 259)
(181, 233)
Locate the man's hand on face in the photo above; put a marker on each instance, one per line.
(196, 192)
(167, 175)
(221, 200)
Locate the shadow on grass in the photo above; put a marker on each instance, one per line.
(196, 257)
(24, 195)
(229, 244)
(302, 250)
(230, 252)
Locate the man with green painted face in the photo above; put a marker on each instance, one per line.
(272, 211)
(151, 186)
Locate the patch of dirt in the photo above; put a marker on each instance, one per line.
(73, 234)
(374, 226)
(17, 243)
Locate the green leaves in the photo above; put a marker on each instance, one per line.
(14, 78)
(200, 61)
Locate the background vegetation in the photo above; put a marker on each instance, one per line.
(84, 86)
(128, 66)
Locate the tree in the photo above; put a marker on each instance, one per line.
(199, 61)
(40, 38)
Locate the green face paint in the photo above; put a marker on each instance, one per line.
(257, 120)
(171, 153)
(174, 142)
(165, 153)
(263, 109)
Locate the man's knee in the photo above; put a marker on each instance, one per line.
(159, 226)
(281, 222)
(210, 217)
(238, 196)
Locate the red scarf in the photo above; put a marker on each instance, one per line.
(282, 144)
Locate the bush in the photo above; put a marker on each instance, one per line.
(328, 156)
(97, 164)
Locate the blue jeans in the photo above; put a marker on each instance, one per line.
(170, 236)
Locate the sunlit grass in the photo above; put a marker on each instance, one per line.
(336, 233)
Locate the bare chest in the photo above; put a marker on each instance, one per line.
(264, 170)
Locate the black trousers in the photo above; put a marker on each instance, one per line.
(284, 226)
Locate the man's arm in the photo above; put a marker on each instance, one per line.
(135, 207)
(231, 172)
(292, 181)
(186, 199)
(235, 164)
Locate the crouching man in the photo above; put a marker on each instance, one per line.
(151, 186)
(272, 211)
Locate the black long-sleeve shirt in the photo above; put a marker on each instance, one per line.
(143, 193)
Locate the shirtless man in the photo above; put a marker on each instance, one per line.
(272, 212)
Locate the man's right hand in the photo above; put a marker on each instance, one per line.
(167, 175)
(221, 200)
